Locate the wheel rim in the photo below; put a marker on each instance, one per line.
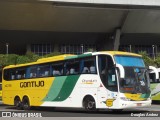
(17, 103)
(26, 104)
(90, 104)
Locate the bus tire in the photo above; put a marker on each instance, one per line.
(89, 103)
(17, 103)
(26, 103)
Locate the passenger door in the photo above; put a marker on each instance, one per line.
(107, 72)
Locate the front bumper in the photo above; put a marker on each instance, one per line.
(134, 104)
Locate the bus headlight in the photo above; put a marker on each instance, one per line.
(125, 99)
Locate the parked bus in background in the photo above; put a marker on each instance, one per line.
(155, 84)
(0, 83)
(0, 91)
(99, 80)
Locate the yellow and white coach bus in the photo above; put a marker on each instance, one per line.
(99, 80)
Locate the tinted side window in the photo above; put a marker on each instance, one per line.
(88, 65)
(6, 74)
(57, 69)
(33, 72)
(72, 67)
(13, 74)
(20, 73)
(43, 71)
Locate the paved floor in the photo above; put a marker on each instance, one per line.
(72, 112)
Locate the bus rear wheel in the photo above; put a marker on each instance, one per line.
(89, 104)
(26, 103)
(17, 103)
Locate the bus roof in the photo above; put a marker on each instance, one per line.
(121, 53)
(72, 56)
(42, 60)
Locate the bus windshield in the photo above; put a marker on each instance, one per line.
(136, 75)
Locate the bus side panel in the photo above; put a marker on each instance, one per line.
(84, 85)
(34, 89)
(59, 94)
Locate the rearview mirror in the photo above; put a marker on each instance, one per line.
(154, 70)
(121, 70)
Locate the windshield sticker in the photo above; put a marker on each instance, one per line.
(113, 78)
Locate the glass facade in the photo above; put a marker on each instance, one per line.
(76, 48)
(151, 50)
(41, 49)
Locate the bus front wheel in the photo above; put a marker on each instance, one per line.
(89, 104)
(26, 103)
(17, 103)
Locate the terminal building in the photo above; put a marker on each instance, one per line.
(77, 26)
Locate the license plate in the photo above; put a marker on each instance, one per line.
(139, 104)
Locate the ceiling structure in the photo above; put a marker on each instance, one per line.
(45, 16)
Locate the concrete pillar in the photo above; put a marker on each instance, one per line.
(116, 39)
(111, 43)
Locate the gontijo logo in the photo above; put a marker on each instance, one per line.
(32, 84)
